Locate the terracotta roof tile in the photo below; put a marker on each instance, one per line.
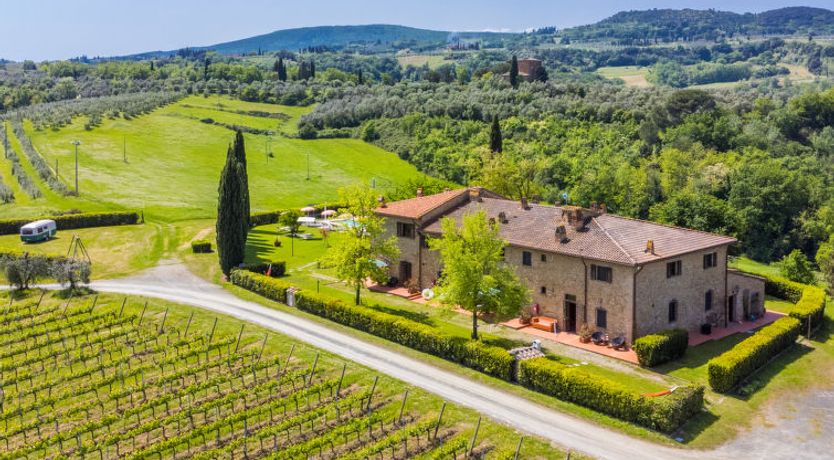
(415, 208)
(607, 237)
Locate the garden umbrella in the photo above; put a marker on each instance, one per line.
(328, 213)
(308, 209)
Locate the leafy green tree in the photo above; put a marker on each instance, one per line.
(232, 223)
(289, 219)
(363, 252)
(71, 272)
(796, 267)
(496, 144)
(22, 271)
(475, 276)
(514, 72)
(825, 260)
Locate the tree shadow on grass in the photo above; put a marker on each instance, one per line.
(695, 426)
(698, 356)
(769, 371)
(416, 316)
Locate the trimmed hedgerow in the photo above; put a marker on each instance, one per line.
(279, 267)
(663, 413)
(491, 360)
(72, 221)
(268, 287)
(263, 218)
(811, 306)
(661, 347)
(730, 368)
(809, 300)
(201, 246)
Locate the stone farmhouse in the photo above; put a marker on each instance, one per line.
(618, 275)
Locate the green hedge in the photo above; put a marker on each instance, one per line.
(809, 300)
(662, 347)
(201, 246)
(72, 221)
(810, 306)
(278, 268)
(662, 413)
(263, 218)
(488, 359)
(734, 365)
(665, 413)
(274, 289)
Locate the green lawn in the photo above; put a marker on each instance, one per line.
(174, 162)
(631, 75)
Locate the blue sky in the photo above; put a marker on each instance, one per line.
(58, 29)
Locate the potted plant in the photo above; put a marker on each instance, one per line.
(585, 333)
(526, 314)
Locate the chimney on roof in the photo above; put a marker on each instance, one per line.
(650, 246)
(475, 194)
(419, 192)
(573, 216)
(524, 204)
(603, 209)
(562, 234)
(381, 201)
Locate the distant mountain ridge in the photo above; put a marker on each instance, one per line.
(690, 24)
(337, 37)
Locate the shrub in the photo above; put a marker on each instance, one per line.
(783, 288)
(260, 284)
(662, 347)
(736, 364)
(664, 413)
(201, 246)
(278, 268)
(796, 267)
(72, 221)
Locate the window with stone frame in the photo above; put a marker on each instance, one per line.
(674, 268)
(405, 230)
(602, 318)
(673, 311)
(527, 258)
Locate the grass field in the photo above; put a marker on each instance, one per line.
(174, 162)
(631, 75)
(158, 380)
(419, 60)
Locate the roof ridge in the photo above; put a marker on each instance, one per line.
(676, 227)
(614, 240)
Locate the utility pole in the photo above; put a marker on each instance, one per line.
(308, 165)
(124, 149)
(76, 144)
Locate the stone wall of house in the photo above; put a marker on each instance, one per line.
(409, 247)
(746, 295)
(655, 291)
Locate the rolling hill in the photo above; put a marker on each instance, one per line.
(689, 24)
(337, 37)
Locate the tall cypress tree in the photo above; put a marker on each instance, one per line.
(312, 69)
(240, 157)
(496, 144)
(231, 233)
(282, 69)
(514, 72)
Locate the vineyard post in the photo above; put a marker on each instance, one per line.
(95, 301)
(313, 370)
(402, 408)
(341, 379)
(371, 396)
(289, 356)
(43, 292)
(474, 437)
(164, 317)
(122, 310)
(439, 419)
(239, 335)
(188, 325)
(263, 345)
(68, 303)
(9, 305)
(518, 448)
(211, 335)
(142, 315)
